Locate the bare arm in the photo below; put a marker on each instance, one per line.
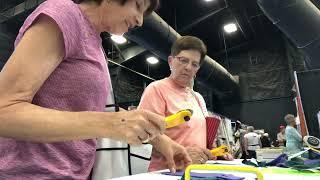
(39, 52)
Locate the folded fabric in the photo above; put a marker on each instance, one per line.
(206, 176)
(313, 154)
(253, 162)
(302, 164)
(279, 161)
(295, 163)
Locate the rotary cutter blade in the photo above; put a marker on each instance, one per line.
(178, 118)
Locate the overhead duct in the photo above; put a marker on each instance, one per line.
(300, 21)
(157, 36)
(19, 9)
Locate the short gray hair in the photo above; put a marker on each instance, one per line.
(250, 128)
(289, 118)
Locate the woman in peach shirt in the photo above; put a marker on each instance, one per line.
(172, 94)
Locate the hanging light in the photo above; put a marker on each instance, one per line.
(230, 28)
(119, 39)
(152, 60)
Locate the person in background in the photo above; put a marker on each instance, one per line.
(240, 143)
(252, 143)
(281, 136)
(243, 132)
(53, 92)
(265, 140)
(293, 138)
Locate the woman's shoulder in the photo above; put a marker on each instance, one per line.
(65, 13)
(59, 3)
(162, 83)
(58, 6)
(289, 129)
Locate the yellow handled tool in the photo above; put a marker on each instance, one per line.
(178, 118)
(219, 168)
(220, 151)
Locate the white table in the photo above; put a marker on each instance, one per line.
(267, 176)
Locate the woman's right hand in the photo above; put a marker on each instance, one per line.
(137, 127)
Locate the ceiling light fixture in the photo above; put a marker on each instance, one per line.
(118, 39)
(152, 60)
(230, 28)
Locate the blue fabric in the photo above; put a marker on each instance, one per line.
(279, 161)
(206, 176)
(295, 163)
(313, 154)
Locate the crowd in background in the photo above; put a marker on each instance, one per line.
(249, 140)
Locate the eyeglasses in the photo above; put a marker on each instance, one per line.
(185, 61)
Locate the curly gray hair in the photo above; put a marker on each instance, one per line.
(289, 118)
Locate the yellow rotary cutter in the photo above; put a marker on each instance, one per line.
(178, 118)
(220, 151)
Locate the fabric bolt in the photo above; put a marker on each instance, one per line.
(212, 130)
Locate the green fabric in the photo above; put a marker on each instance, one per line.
(277, 170)
(300, 164)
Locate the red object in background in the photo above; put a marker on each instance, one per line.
(300, 111)
(212, 129)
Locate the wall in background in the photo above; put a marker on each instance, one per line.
(6, 47)
(264, 114)
(266, 79)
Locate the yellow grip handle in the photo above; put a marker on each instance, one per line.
(220, 151)
(178, 118)
(248, 169)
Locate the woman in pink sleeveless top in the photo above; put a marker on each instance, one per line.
(53, 91)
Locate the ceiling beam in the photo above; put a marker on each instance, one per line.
(129, 53)
(132, 52)
(19, 9)
(203, 18)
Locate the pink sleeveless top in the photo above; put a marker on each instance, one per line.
(80, 83)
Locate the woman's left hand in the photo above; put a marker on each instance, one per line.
(228, 157)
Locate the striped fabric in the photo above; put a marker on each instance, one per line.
(213, 123)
